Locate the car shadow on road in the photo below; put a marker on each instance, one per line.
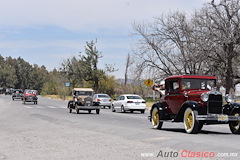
(180, 130)
(213, 132)
(105, 108)
(128, 112)
(84, 113)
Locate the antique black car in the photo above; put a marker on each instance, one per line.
(83, 100)
(8, 91)
(17, 94)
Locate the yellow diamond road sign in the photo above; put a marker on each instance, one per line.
(148, 82)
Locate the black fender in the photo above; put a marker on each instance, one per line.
(193, 105)
(230, 108)
(161, 110)
(71, 104)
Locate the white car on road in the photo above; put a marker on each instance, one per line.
(129, 102)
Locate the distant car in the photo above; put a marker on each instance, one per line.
(129, 102)
(8, 91)
(30, 96)
(17, 94)
(103, 99)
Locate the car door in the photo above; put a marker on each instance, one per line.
(119, 103)
(173, 96)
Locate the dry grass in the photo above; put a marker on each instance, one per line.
(149, 104)
(59, 97)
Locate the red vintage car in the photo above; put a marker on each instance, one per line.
(30, 96)
(194, 100)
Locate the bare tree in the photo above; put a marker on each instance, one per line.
(207, 43)
(168, 45)
(219, 26)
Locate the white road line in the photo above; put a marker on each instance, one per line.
(37, 106)
(51, 107)
(43, 107)
(27, 106)
(62, 107)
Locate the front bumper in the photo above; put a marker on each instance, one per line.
(30, 99)
(217, 117)
(17, 97)
(213, 117)
(88, 107)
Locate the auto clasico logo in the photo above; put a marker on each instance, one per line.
(186, 154)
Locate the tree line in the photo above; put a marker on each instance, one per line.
(17, 73)
(80, 71)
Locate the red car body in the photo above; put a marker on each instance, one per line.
(30, 96)
(175, 98)
(194, 100)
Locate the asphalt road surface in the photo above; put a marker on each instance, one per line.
(47, 131)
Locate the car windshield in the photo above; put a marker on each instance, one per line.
(83, 93)
(103, 96)
(134, 97)
(31, 92)
(18, 91)
(198, 84)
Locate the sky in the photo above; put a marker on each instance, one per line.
(47, 32)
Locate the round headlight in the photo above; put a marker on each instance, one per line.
(185, 94)
(204, 97)
(228, 98)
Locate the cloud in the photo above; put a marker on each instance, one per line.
(84, 14)
(54, 30)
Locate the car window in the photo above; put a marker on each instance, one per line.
(198, 84)
(175, 86)
(134, 97)
(122, 98)
(103, 96)
(83, 93)
(172, 86)
(18, 91)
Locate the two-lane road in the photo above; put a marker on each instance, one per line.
(48, 131)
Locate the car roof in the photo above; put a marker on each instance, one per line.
(82, 89)
(130, 95)
(191, 76)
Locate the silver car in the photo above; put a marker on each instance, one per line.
(103, 99)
